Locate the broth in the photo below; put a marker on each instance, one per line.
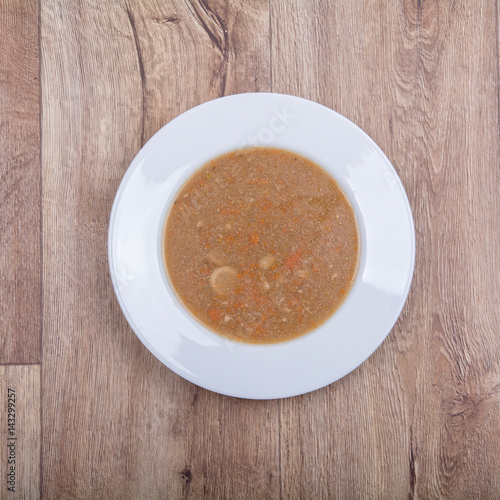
(261, 245)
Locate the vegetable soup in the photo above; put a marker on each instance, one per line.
(261, 245)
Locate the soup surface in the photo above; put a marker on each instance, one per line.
(261, 245)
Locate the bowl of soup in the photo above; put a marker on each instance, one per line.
(261, 245)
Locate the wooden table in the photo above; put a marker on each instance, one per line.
(83, 85)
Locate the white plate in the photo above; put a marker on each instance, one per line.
(277, 370)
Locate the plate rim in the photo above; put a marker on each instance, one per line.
(143, 338)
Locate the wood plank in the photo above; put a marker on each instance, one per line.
(420, 418)
(20, 259)
(214, 48)
(118, 424)
(20, 431)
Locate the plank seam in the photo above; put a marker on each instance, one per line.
(279, 447)
(271, 56)
(497, 52)
(40, 124)
(141, 64)
(35, 363)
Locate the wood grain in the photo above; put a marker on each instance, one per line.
(420, 418)
(195, 51)
(20, 260)
(118, 424)
(21, 386)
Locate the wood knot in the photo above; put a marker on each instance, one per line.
(195, 399)
(186, 476)
(168, 20)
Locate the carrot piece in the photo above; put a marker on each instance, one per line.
(215, 314)
(258, 330)
(293, 260)
(230, 211)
